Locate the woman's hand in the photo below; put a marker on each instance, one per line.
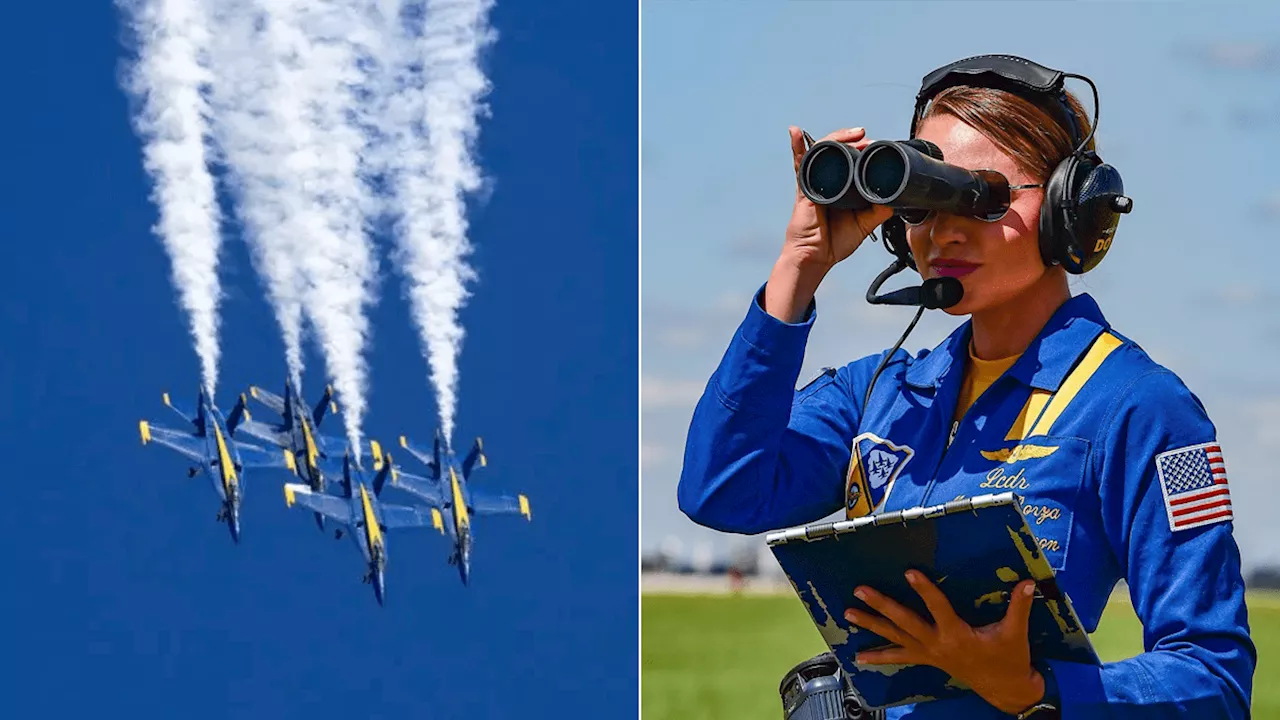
(817, 238)
(993, 660)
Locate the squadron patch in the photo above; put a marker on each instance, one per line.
(874, 464)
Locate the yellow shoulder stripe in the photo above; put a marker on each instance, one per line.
(1099, 351)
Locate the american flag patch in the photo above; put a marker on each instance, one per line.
(1194, 481)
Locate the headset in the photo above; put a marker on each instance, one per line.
(1083, 198)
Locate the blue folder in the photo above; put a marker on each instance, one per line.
(976, 550)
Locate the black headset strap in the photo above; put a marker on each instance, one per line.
(1019, 76)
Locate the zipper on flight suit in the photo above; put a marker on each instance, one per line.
(956, 425)
(955, 431)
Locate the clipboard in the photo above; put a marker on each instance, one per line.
(976, 550)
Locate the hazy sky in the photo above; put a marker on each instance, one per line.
(1190, 100)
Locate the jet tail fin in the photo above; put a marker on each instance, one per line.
(388, 469)
(435, 450)
(239, 414)
(270, 399)
(326, 404)
(346, 475)
(196, 418)
(476, 455)
(422, 457)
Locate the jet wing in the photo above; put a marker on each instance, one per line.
(404, 516)
(428, 490)
(252, 456)
(331, 506)
(186, 443)
(486, 504)
(264, 432)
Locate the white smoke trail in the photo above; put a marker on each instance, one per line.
(251, 104)
(432, 123)
(166, 82)
(300, 139)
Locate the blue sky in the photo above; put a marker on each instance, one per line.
(125, 597)
(1190, 115)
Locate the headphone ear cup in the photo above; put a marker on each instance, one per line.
(1094, 217)
(1052, 213)
(894, 233)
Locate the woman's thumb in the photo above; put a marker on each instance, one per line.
(1019, 612)
(797, 145)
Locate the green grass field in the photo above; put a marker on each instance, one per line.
(723, 657)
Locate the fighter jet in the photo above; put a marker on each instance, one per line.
(212, 443)
(446, 489)
(297, 433)
(363, 516)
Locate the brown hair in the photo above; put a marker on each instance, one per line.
(1034, 137)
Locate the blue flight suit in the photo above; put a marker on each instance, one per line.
(1091, 410)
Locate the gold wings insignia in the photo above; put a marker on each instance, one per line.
(1019, 452)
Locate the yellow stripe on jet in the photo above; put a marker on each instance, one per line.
(311, 446)
(459, 507)
(224, 460)
(372, 532)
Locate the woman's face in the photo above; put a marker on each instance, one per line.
(996, 262)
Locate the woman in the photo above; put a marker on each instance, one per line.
(1035, 393)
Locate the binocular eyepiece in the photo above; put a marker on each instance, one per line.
(907, 175)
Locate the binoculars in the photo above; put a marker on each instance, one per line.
(908, 175)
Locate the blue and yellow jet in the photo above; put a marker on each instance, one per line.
(213, 445)
(298, 433)
(365, 518)
(453, 501)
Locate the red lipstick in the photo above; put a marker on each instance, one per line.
(944, 267)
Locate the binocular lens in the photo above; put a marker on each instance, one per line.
(826, 176)
(883, 173)
(829, 172)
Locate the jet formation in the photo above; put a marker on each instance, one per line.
(335, 486)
